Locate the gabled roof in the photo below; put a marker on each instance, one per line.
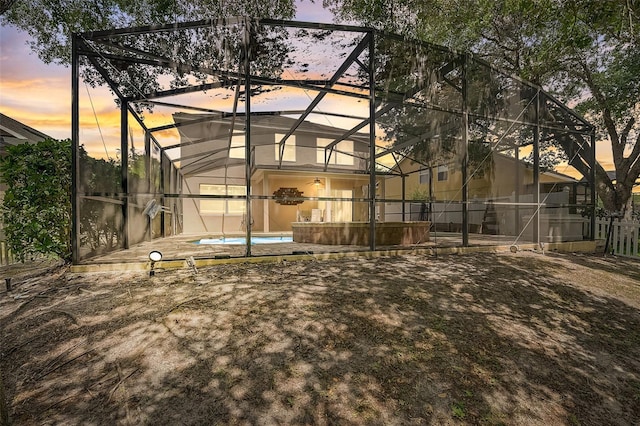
(13, 132)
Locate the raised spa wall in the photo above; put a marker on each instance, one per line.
(357, 233)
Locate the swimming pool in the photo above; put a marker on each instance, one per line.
(243, 240)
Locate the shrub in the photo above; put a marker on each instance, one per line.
(37, 204)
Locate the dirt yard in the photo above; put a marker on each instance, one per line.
(517, 339)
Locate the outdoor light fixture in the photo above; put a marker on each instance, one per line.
(154, 256)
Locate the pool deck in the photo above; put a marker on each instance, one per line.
(177, 249)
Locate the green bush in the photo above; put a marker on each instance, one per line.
(37, 204)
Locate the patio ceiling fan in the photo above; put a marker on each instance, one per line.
(317, 182)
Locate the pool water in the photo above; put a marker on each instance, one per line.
(243, 240)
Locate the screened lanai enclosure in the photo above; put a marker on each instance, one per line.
(227, 135)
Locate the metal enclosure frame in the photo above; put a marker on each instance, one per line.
(110, 55)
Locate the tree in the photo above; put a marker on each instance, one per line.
(586, 52)
(37, 204)
(50, 23)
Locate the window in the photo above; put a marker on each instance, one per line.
(289, 148)
(342, 158)
(425, 175)
(443, 173)
(321, 142)
(222, 206)
(236, 149)
(236, 206)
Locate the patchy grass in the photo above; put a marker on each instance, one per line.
(477, 339)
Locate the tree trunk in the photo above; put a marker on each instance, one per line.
(628, 209)
(607, 191)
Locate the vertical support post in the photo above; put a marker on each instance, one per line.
(431, 198)
(148, 182)
(147, 163)
(536, 169)
(175, 187)
(516, 217)
(372, 144)
(75, 147)
(124, 172)
(592, 185)
(465, 156)
(163, 164)
(247, 134)
(404, 196)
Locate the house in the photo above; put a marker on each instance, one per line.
(502, 195)
(502, 176)
(323, 185)
(309, 164)
(13, 132)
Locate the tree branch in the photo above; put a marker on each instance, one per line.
(627, 129)
(609, 123)
(634, 163)
(606, 190)
(5, 5)
(624, 135)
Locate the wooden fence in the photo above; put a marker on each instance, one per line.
(624, 236)
(6, 257)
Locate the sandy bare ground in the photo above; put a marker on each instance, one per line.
(476, 339)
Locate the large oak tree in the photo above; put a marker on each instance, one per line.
(585, 51)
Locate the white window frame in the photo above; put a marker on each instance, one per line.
(443, 173)
(289, 154)
(344, 158)
(236, 149)
(424, 176)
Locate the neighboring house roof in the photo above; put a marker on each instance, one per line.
(13, 132)
(613, 175)
(558, 176)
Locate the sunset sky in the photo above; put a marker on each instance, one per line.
(39, 95)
